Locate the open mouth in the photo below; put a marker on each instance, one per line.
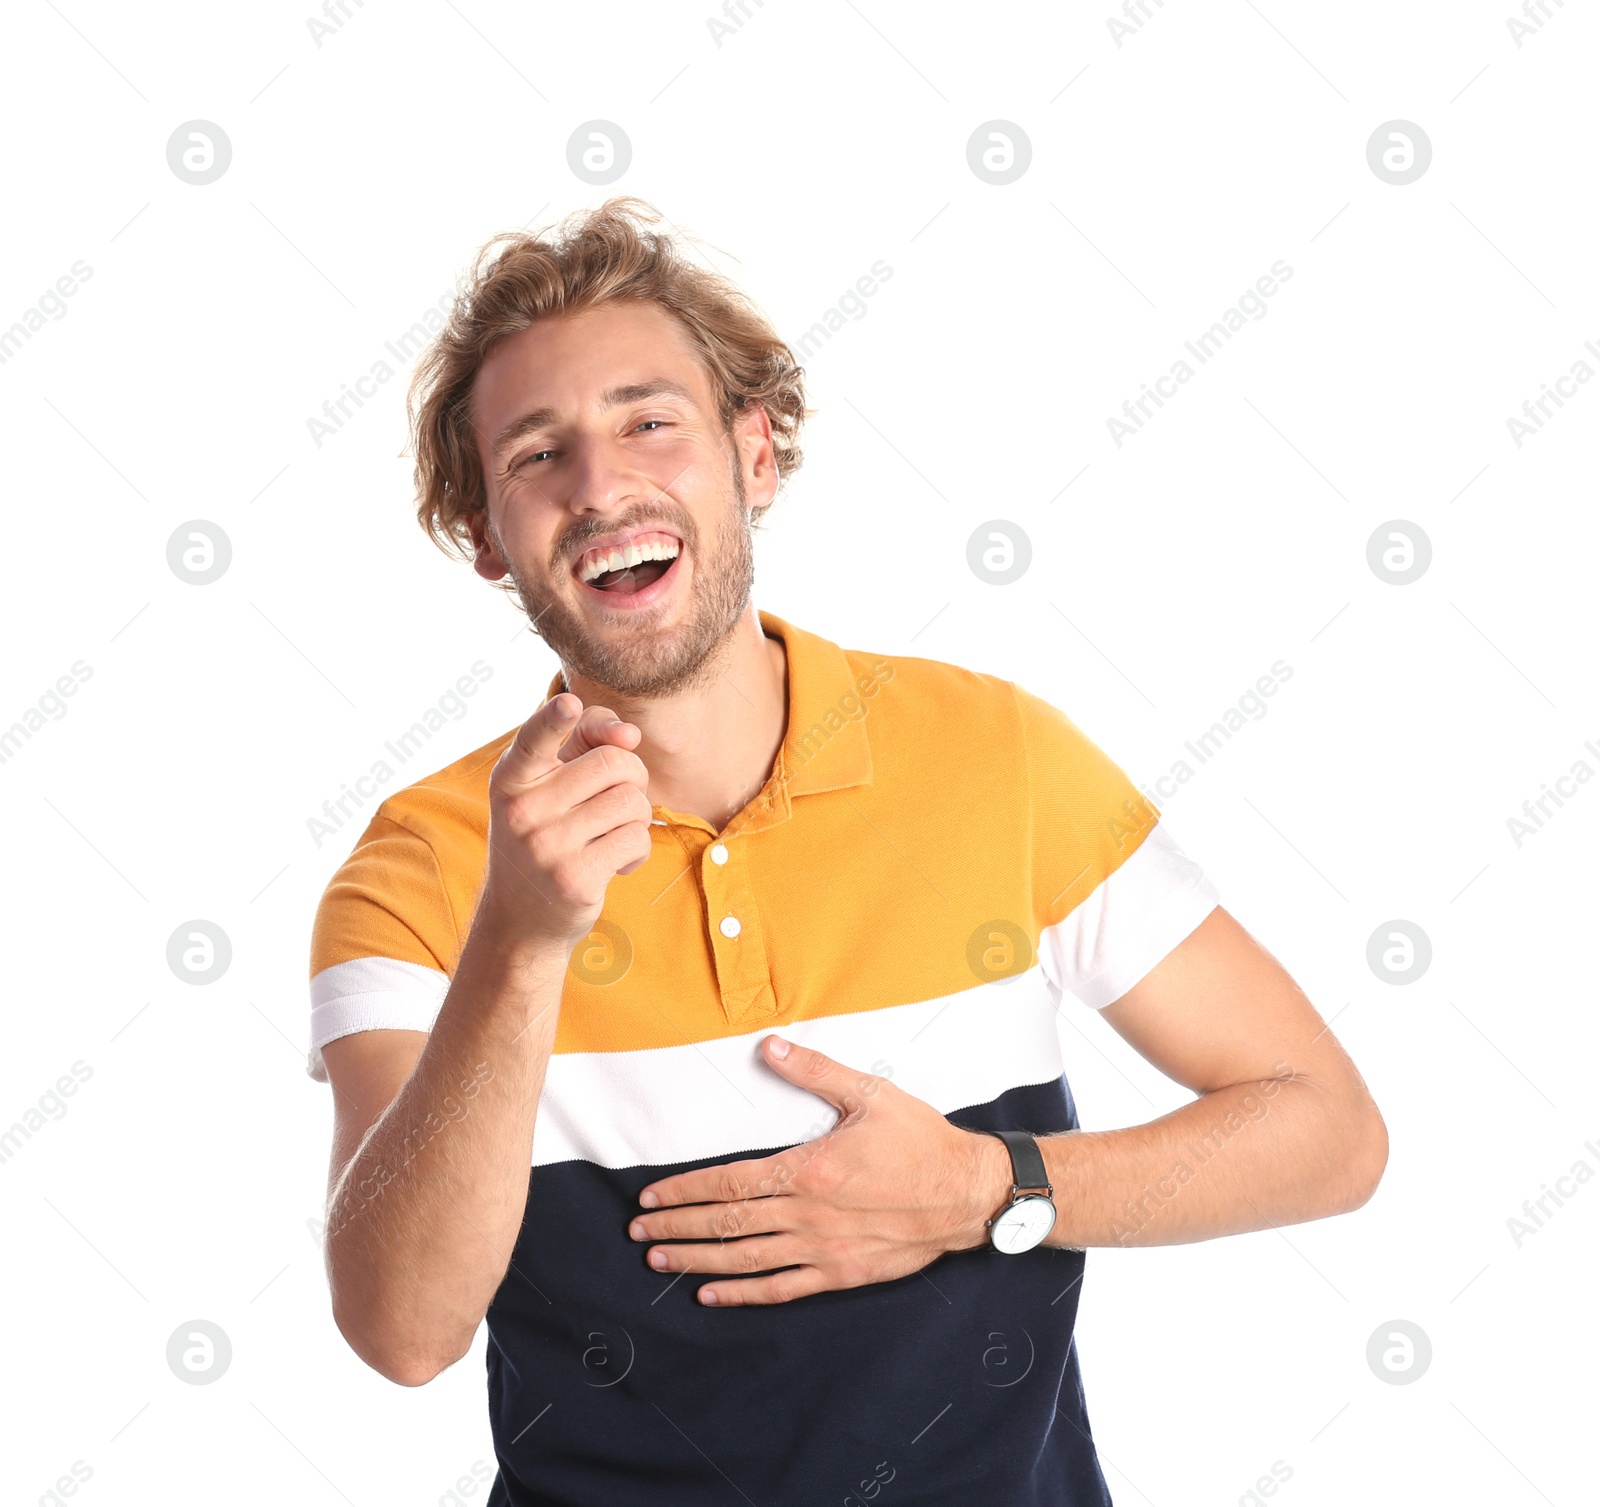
(632, 578)
(631, 571)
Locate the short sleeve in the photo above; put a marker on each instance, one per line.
(383, 943)
(1113, 892)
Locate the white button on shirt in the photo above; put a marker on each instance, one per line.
(730, 926)
(719, 854)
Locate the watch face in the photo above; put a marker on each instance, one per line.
(1023, 1225)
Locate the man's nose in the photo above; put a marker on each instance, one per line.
(601, 479)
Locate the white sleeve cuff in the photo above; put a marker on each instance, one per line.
(1132, 920)
(371, 994)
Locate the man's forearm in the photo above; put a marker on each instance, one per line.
(1246, 1157)
(423, 1220)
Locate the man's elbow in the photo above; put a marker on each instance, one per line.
(407, 1365)
(407, 1370)
(1367, 1155)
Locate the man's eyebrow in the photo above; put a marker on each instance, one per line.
(615, 397)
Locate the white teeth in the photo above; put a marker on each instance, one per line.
(596, 564)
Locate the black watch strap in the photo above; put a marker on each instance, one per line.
(1027, 1161)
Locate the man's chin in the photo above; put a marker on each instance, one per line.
(632, 653)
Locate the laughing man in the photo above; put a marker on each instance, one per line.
(700, 1033)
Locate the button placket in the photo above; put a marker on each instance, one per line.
(738, 946)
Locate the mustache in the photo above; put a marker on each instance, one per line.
(578, 538)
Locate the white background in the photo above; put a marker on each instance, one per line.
(1167, 175)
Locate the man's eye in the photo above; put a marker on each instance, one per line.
(534, 456)
(643, 422)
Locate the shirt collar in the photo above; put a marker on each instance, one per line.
(825, 739)
(824, 745)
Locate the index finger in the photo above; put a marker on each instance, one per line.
(593, 730)
(532, 754)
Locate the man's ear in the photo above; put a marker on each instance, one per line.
(487, 560)
(753, 450)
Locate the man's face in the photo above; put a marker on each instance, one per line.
(585, 449)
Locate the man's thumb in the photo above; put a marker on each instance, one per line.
(843, 1087)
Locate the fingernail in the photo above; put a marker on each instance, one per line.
(708, 1296)
(648, 1200)
(658, 1259)
(615, 722)
(636, 1230)
(563, 711)
(780, 1047)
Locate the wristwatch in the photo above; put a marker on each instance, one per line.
(1030, 1215)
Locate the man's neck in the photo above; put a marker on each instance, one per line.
(711, 748)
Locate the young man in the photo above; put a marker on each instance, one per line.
(700, 1033)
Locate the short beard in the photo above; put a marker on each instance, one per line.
(641, 665)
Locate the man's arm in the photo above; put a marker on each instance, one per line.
(1284, 1129)
(433, 1136)
(434, 1131)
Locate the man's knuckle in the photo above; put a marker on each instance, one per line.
(728, 1221)
(787, 1286)
(570, 880)
(730, 1186)
(822, 1176)
(543, 847)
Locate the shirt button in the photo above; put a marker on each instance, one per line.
(719, 854)
(730, 926)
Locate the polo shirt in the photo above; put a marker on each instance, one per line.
(938, 860)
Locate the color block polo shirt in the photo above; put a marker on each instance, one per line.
(939, 862)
